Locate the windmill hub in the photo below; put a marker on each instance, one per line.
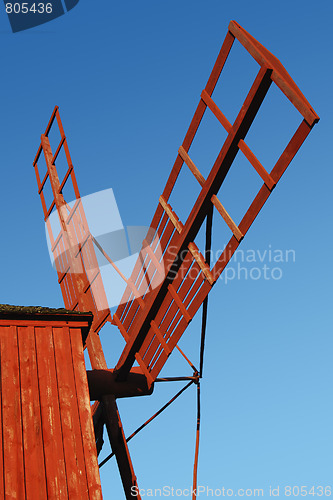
(103, 382)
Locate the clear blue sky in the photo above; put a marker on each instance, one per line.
(127, 77)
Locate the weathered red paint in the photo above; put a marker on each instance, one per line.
(47, 433)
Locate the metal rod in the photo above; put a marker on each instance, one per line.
(176, 379)
(197, 440)
(189, 362)
(150, 420)
(208, 246)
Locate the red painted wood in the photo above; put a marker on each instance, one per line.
(279, 76)
(137, 321)
(173, 314)
(35, 479)
(50, 413)
(49, 444)
(69, 415)
(87, 430)
(214, 180)
(41, 323)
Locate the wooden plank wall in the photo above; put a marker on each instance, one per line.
(47, 444)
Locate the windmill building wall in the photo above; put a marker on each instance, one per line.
(47, 442)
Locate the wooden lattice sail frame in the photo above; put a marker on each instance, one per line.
(153, 326)
(152, 317)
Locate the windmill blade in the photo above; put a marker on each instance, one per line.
(79, 277)
(153, 325)
(72, 246)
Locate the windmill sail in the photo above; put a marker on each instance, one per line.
(153, 325)
(72, 246)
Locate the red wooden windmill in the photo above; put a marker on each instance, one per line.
(155, 312)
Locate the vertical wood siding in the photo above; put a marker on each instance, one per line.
(47, 444)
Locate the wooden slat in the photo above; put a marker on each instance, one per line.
(87, 430)
(215, 200)
(179, 303)
(42, 198)
(70, 422)
(148, 270)
(224, 214)
(199, 112)
(73, 211)
(160, 337)
(58, 149)
(144, 368)
(157, 264)
(266, 177)
(121, 327)
(50, 414)
(216, 111)
(195, 171)
(14, 477)
(35, 480)
(56, 241)
(201, 262)
(171, 214)
(41, 184)
(132, 311)
(168, 234)
(50, 210)
(37, 155)
(220, 62)
(49, 125)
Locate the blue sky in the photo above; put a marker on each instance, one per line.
(127, 78)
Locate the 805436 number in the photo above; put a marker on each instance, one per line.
(23, 8)
(304, 491)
